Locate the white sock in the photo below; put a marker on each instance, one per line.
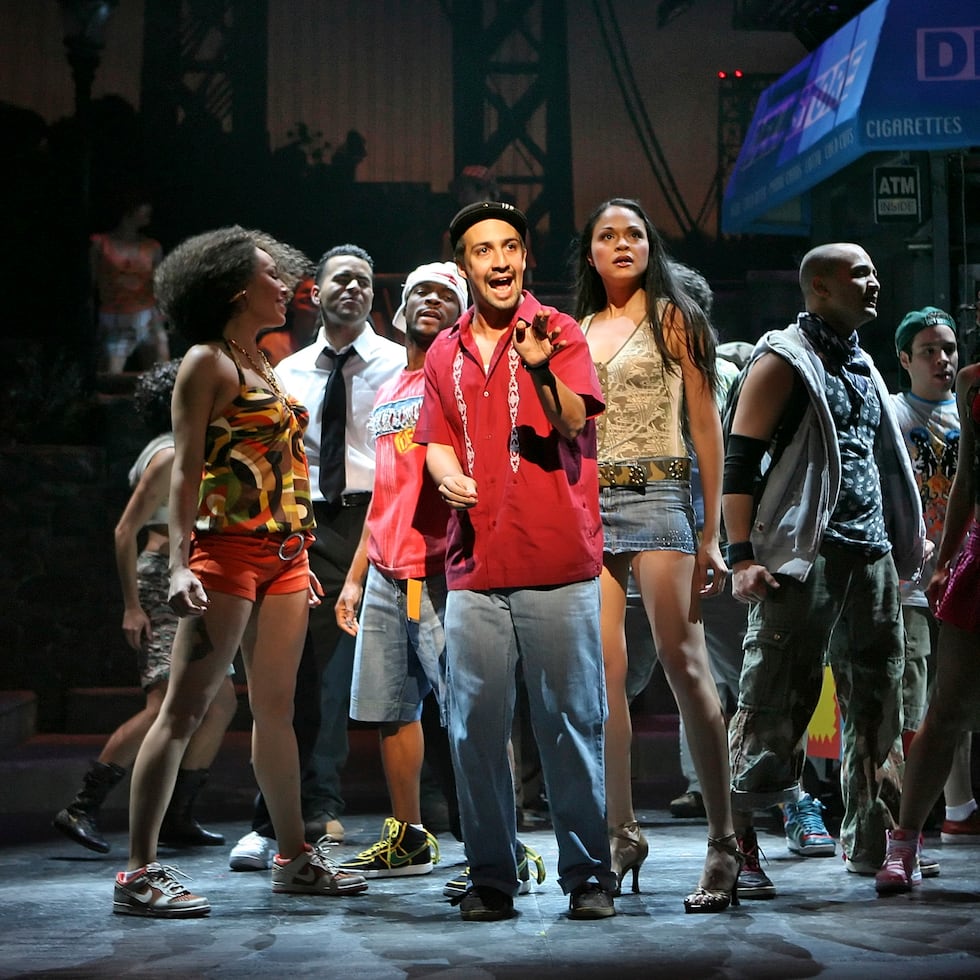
(961, 812)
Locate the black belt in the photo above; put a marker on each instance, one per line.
(357, 498)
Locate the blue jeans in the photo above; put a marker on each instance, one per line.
(397, 661)
(554, 632)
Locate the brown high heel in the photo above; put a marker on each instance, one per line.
(628, 849)
(718, 899)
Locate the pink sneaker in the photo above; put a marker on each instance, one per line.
(900, 872)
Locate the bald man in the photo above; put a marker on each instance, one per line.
(823, 516)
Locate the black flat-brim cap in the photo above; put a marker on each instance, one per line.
(482, 211)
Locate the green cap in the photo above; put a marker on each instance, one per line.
(912, 323)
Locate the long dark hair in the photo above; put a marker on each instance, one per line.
(659, 283)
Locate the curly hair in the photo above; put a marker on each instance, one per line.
(153, 394)
(659, 283)
(196, 283)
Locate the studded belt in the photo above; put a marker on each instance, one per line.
(640, 472)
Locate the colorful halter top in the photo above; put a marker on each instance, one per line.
(256, 479)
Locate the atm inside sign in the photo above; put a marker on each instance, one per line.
(896, 194)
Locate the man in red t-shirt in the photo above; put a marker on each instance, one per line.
(508, 417)
(397, 577)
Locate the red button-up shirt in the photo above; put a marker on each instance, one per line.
(536, 522)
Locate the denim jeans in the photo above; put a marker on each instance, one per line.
(787, 642)
(398, 660)
(554, 633)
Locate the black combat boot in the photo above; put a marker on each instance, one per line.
(80, 819)
(179, 828)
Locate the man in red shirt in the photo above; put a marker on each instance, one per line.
(397, 578)
(508, 418)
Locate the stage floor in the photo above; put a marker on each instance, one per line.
(56, 901)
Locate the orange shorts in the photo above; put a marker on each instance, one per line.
(252, 565)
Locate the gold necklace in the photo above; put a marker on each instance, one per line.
(265, 372)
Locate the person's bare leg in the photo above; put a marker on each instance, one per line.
(402, 751)
(271, 649)
(664, 579)
(958, 789)
(619, 726)
(206, 741)
(203, 649)
(124, 743)
(930, 757)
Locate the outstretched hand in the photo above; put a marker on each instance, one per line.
(534, 342)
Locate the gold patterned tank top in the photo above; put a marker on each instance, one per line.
(643, 402)
(256, 479)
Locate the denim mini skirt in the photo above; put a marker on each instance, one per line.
(655, 517)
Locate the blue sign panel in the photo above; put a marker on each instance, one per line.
(902, 75)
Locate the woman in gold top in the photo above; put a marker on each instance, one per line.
(240, 523)
(654, 352)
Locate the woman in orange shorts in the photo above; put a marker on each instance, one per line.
(240, 523)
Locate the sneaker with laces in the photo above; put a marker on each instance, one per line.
(457, 885)
(928, 865)
(900, 872)
(401, 850)
(252, 853)
(805, 831)
(311, 872)
(860, 865)
(526, 856)
(481, 903)
(962, 831)
(753, 882)
(591, 901)
(155, 891)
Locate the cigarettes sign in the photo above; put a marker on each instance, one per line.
(896, 194)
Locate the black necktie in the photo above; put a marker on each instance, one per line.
(333, 430)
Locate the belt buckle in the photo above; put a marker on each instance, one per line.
(284, 547)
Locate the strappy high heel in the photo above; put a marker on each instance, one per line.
(718, 899)
(628, 849)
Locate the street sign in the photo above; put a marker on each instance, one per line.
(896, 194)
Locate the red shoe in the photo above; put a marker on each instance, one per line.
(962, 831)
(900, 872)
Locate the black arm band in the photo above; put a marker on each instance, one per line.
(743, 456)
(739, 551)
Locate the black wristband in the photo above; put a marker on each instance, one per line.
(544, 366)
(739, 551)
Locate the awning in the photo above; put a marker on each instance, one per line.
(902, 75)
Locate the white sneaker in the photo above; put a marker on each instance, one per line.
(252, 853)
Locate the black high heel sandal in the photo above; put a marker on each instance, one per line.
(718, 899)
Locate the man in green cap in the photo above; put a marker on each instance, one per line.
(926, 344)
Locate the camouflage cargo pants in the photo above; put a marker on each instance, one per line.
(787, 642)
